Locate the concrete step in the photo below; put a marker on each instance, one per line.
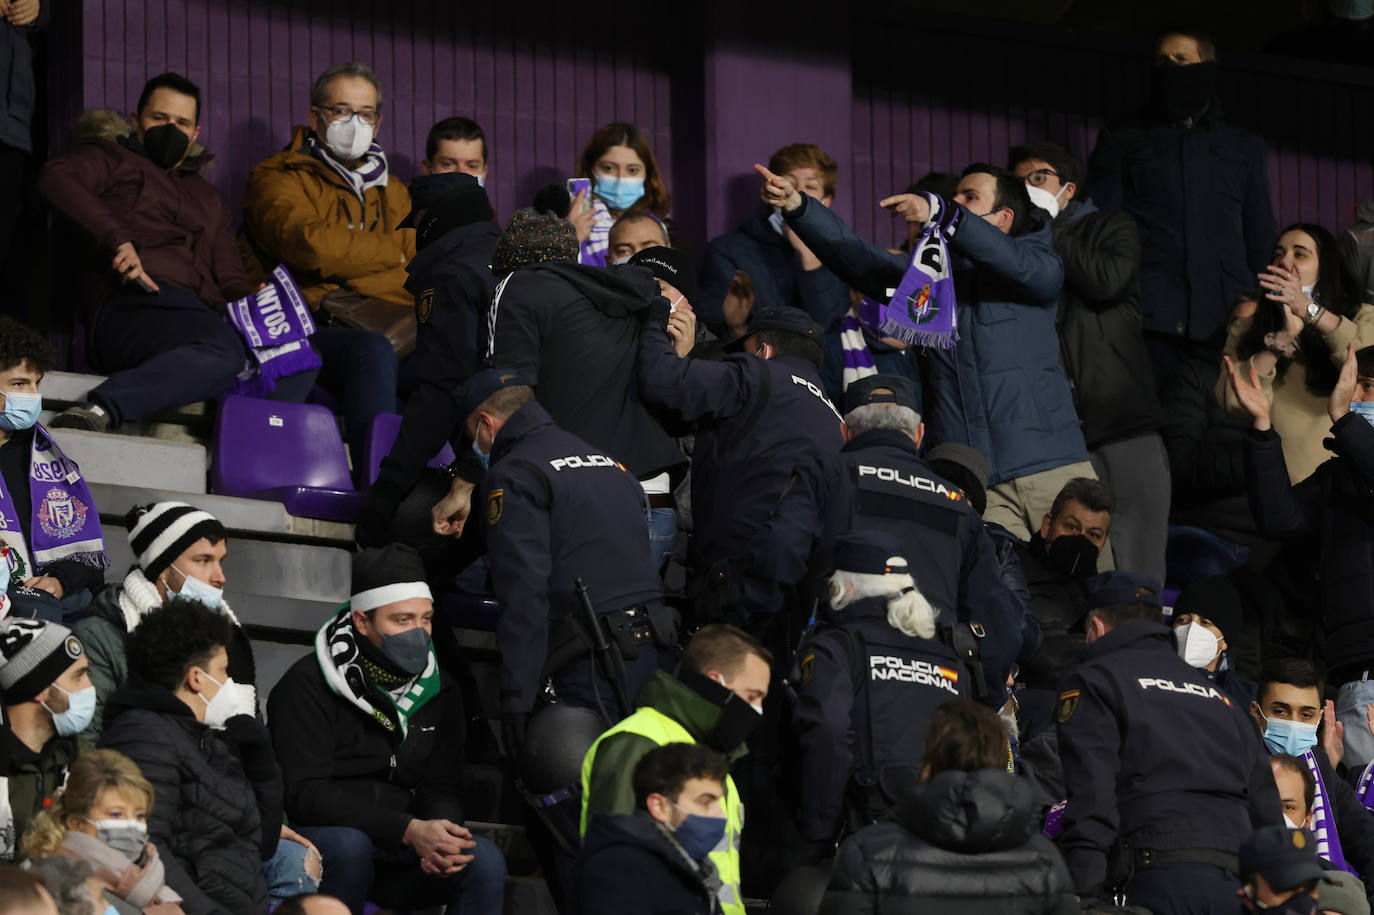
(252, 518)
(142, 462)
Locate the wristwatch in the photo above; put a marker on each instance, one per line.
(1314, 313)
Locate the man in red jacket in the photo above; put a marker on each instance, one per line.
(162, 265)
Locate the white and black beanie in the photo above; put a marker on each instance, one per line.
(33, 653)
(159, 533)
(387, 575)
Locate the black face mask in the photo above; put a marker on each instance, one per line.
(1073, 555)
(165, 144)
(737, 723)
(1181, 91)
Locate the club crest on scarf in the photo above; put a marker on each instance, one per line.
(922, 309)
(62, 515)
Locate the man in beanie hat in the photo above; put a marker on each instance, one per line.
(532, 237)
(572, 329)
(1156, 760)
(878, 482)
(179, 551)
(369, 733)
(452, 282)
(48, 701)
(555, 504)
(675, 272)
(869, 683)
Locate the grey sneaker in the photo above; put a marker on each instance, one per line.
(90, 417)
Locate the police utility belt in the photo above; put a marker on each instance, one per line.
(629, 630)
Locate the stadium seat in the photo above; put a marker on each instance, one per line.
(380, 437)
(283, 452)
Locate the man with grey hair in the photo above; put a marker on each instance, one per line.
(878, 481)
(326, 206)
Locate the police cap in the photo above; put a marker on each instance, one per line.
(670, 265)
(782, 317)
(1284, 857)
(880, 388)
(869, 553)
(461, 197)
(1109, 589)
(482, 385)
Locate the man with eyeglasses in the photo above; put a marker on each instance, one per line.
(1103, 352)
(328, 208)
(1199, 191)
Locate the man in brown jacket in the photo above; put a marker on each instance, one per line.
(327, 207)
(161, 264)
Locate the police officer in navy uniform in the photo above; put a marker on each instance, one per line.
(1164, 777)
(878, 481)
(759, 416)
(557, 511)
(451, 279)
(869, 683)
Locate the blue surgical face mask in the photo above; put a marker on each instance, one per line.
(619, 193)
(193, 588)
(1285, 737)
(1364, 408)
(481, 455)
(698, 834)
(21, 410)
(80, 711)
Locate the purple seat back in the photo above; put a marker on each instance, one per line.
(381, 436)
(263, 444)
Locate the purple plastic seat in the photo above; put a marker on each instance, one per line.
(283, 452)
(381, 436)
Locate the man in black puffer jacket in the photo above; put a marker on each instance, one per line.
(217, 791)
(968, 840)
(1102, 349)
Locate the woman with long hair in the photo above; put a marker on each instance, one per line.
(101, 817)
(625, 178)
(1293, 347)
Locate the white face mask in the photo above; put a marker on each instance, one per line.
(1293, 824)
(221, 708)
(348, 138)
(1044, 199)
(1197, 645)
(617, 261)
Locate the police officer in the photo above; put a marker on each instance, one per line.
(878, 481)
(759, 415)
(452, 283)
(1164, 777)
(869, 684)
(558, 511)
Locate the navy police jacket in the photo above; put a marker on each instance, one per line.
(1155, 756)
(557, 509)
(865, 701)
(757, 421)
(878, 481)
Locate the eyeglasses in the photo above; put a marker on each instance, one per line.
(334, 113)
(1040, 176)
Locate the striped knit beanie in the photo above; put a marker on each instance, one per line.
(33, 654)
(159, 533)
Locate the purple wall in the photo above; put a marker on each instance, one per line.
(716, 86)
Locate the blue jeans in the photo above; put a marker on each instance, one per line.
(357, 873)
(286, 874)
(662, 524)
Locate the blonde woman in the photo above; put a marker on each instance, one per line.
(101, 817)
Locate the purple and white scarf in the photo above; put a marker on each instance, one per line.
(275, 322)
(922, 309)
(598, 243)
(858, 360)
(63, 516)
(372, 170)
(1363, 790)
(1323, 823)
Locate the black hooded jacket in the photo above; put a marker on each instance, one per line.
(963, 842)
(217, 797)
(627, 864)
(575, 329)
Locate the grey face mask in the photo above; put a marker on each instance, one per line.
(408, 650)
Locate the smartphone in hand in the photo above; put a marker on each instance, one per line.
(581, 186)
